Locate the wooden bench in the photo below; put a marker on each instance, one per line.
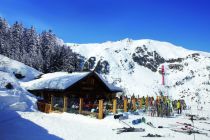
(43, 107)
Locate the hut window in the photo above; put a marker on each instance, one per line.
(58, 103)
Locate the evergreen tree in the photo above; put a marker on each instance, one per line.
(40, 51)
(32, 50)
(48, 44)
(16, 35)
(3, 36)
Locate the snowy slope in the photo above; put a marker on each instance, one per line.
(12, 95)
(15, 98)
(134, 65)
(165, 49)
(14, 67)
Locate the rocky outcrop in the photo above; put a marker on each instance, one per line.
(179, 60)
(151, 60)
(102, 67)
(176, 67)
(89, 64)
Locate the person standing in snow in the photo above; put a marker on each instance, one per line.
(161, 107)
(143, 100)
(129, 103)
(178, 106)
(157, 107)
(152, 106)
(168, 111)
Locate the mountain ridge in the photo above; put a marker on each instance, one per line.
(139, 40)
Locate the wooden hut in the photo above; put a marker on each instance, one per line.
(72, 92)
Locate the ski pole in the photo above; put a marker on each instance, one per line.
(125, 123)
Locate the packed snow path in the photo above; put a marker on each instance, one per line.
(57, 126)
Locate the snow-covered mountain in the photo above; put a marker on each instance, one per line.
(12, 95)
(135, 66)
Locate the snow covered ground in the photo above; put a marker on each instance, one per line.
(14, 67)
(12, 95)
(57, 126)
(15, 98)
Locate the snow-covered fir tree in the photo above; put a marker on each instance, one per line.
(32, 50)
(44, 51)
(16, 36)
(3, 36)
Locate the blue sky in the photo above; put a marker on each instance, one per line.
(182, 22)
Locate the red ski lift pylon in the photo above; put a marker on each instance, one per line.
(163, 73)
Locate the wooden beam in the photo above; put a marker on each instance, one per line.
(65, 103)
(80, 105)
(125, 105)
(51, 103)
(134, 104)
(140, 103)
(100, 107)
(157, 97)
(114, 106)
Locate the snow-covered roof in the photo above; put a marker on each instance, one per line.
(62, 81)
(110, 86)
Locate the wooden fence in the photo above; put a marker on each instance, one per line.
(128, 105)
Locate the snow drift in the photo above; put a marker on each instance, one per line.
(21, 71)
(12, 95)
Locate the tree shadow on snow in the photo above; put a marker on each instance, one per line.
(13, 127)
